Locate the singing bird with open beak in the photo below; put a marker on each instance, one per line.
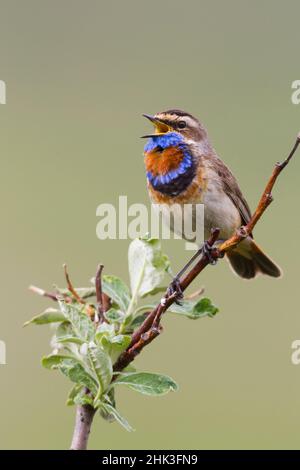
(183, 168)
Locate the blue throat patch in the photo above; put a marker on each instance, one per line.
(171, 139)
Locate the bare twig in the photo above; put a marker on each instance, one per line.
(265, 200)
(43, 293)
(195, 294)
(106, 302)
(99, 315)
(70, 286)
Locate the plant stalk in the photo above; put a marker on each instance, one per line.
(83, 422)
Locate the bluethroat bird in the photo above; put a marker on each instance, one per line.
(183, 168)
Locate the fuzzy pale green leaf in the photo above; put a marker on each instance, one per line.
(72, 368)
(147, 266)
(114, 316)
(50, 315)
(117, 345)
(195, 309)
(117, 290)
(78, 396)
(102, 366)
(73, 393)
(110, 410)
(78, 374)
(147, 383)
(54, 360)
(82, 325)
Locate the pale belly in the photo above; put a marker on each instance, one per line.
(185, 220)
(220, 212)
(194, 222)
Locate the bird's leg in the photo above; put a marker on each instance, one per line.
(175, 287)
(207, 251)
(188, 264)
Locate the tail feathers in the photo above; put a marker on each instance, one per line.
(242, 266)
(264, 263)
(248, 268)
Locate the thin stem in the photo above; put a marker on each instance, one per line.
(85, 413)
(195, 294)
(71, 287)
(43, 293)
(82, 429)
(99, 315)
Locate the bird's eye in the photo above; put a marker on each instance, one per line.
(181, 124)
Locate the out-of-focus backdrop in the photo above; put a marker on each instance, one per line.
(79, 75)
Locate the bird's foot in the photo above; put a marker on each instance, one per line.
(208, 251)
(175, 290)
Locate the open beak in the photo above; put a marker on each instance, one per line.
(159, 126)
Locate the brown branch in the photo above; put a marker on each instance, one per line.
(83, 422)
(150, 328)
(71, 288)
(43, 293)
(106, 302)
(99, 315)
(85, 413)
(265, 200)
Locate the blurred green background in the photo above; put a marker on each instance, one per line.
(79, 75)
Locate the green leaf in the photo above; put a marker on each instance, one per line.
(69, 339)
(102, 366)
(76, 373)
(54, 360)
(136, 323)
(121, 341)
(83, 399)
(50, 315)
(147, 266)
(82, 325)
(195, 309)
(114, 316)
(144, 309)
(147, 383)
(64, 334)
(110, 399)
(105, 329)
(117, 290)
(104, 332)
(118, 344)
(112, 411)
(78, 396)
(73, 393)
(72, 368)
(112, 343)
